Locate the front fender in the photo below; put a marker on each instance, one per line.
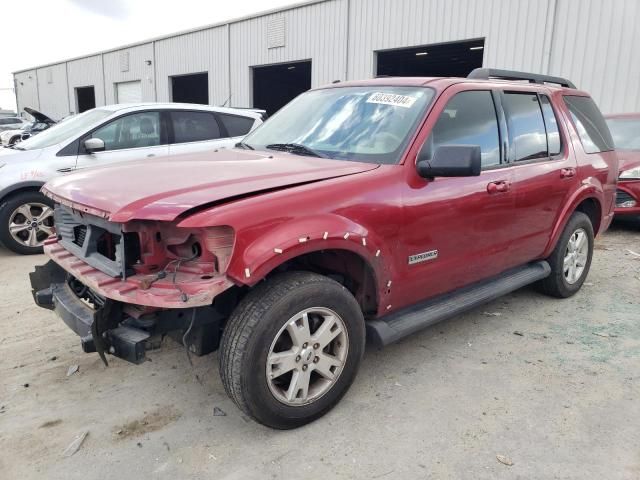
(29, 184)
(257, 255)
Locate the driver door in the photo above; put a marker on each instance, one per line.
(133, 136)
(457, 230)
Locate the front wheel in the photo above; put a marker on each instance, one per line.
(292, 348)
(571, 259)
(26, 221)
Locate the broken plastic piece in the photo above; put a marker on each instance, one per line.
(75, 445)
(346, 235)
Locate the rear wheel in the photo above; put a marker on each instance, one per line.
(292, 348)
(571, 259)
(26, 221)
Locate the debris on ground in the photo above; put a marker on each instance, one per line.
(218, 412)
(75, 445)
(504, 460)
(53, 359)
(72, 369)
(26, 385)
(635, 254)
(588, 284)
(518, 333)
(604, 334)
(492, 314)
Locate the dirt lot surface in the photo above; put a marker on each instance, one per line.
(551, 386)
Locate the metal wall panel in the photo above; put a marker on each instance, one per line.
(595, 44)
(137, 70)
(197, 52)
(314, 32)
(514, 30)
(86, 72)
(26, 90)
(52, 91)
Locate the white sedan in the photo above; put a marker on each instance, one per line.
(102, 136)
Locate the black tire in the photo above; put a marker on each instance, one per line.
(7, 207)
(556, 284)
(254, 325)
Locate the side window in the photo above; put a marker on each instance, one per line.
(551, 123)
(590, 124)
(194, 126)
(526, 126)
(236, 125)
(5, 121)
(469, 119)
(131, 131)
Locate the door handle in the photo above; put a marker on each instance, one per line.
(567, 172)
(499, 186)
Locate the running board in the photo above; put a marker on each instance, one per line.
(397, 325)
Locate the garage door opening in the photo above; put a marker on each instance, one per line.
(129, 92)
(453, 59)
(85, 99)
(276, 85)
(193, 88)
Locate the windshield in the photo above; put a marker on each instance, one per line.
(625, 133)
(63, 131)
(369, 124)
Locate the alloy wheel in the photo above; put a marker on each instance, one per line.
(307, 356)
(31, 224)
(576, 255)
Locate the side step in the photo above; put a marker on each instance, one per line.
(391, 328)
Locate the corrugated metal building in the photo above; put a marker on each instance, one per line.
(266, 59)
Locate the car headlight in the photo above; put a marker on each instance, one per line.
(634, 174)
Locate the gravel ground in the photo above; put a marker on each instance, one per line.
(551, 386)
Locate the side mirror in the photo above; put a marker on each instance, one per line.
(451, 161)
(92, 145)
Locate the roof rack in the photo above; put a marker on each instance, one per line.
(487, 73)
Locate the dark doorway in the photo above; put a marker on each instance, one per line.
(85, 98)
(192, 88)
(453, 59)
(276, 85)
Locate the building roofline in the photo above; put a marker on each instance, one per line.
(263, 13)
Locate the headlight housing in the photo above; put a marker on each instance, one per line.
(632, 174)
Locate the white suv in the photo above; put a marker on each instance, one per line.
(103, 136)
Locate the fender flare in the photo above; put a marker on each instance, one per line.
(585, 192)
(4, 193)
(297, 237)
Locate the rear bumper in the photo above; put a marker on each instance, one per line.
(108, 330)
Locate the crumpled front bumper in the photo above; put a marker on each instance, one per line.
(110, 330)
(51, 291)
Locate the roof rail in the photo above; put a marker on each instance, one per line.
(487, 73)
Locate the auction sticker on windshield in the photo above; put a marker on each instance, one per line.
(391, 99)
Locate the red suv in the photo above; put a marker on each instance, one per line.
(362, 209)
(625, 130)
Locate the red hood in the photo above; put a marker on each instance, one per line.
(628, 159)
(163, 188)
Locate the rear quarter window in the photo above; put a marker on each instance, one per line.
(236, 125)
(590, 124)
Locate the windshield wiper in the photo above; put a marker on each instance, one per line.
(244, 146)
(296, 148)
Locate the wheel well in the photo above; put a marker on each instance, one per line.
(30, 188)
(344, 266)
(592, 209)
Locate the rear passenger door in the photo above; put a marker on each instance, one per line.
(195, 131)
(544, 172)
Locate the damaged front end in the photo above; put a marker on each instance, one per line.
(123, 288)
